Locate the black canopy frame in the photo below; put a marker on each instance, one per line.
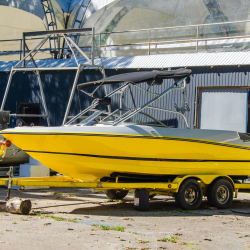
(181, 76)
(154, 77)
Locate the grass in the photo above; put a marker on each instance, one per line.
(143, 241)
(236, 201)
(179, 210)
(190, 211)
(57, 193)
(188, 244)
(127, 218)
(244, 236)
(132, 232)
(120, 201)
(60, 218)
(55, 217)
(118, 228)
(171, 239)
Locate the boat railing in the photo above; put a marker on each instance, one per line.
(121, 115)
(175, 86)
(122, 112)
(171, 111)
(91, 117)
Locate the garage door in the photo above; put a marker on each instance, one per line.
(223, 109)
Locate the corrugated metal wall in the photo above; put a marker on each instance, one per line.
(57, 87)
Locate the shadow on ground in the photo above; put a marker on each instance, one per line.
(89, 203)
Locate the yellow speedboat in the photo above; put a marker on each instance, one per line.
(130, 143)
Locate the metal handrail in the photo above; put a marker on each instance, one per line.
(197, 39)
(149, 42)
(178, 41)
(174, 27)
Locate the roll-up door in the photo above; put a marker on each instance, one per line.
(223, 109)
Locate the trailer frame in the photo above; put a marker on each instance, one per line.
(170, 188)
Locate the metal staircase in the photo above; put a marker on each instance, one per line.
(81, 15)
(50, 20)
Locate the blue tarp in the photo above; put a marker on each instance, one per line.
(109, 63)
(31, 6)
(68, 5)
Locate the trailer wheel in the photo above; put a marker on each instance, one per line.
(116, 193)
(189, 196)
(220, 194)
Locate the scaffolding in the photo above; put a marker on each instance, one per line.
(50, 20)
(29, 56)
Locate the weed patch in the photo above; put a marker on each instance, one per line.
(171, 239)
(143, 241)
(57, 193)
(190, 211)
(118, 228)
(188, 244)
(55, 217)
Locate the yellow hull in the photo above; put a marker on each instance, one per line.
(93, 169)
(90, 157)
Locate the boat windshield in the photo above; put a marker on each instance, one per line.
(109, 119)
(139, 118)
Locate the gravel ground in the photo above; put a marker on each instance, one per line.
(70, 218)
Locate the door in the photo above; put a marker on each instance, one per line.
(29, 108)
(223, 109)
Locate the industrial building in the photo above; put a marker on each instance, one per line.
(211, 37)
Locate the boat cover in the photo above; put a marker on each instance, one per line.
(141, 76)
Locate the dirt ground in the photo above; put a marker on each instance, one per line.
(70, 218)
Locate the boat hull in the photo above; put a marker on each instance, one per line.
(90, 153)
(13, 157)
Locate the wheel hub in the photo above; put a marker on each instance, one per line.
(190, 195)
(222, 194)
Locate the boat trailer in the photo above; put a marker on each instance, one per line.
(143, 191)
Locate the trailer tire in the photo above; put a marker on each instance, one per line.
(116, 194)
(189, 196)
(220, 194)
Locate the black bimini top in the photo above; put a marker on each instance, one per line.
(138, 77)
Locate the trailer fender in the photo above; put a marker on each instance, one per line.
(226, 178)
(205, 179)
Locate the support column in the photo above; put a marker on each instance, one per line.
(43, 97)
(93, 45)
(105, 86)
(12, 72)
(72, 94)
(141, 200)
(24, 50)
